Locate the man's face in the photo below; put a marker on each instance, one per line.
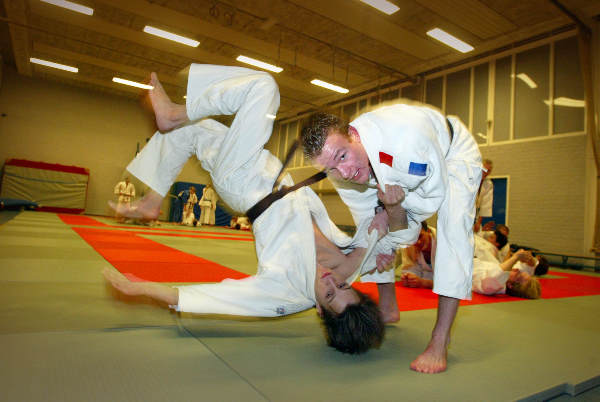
(192, 190)
(345, 158)
(333, 293)
(517, 276)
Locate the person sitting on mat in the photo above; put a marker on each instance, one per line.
(300, 264)
(418, 260)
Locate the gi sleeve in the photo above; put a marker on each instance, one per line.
(256, 296)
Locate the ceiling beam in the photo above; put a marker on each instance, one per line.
(16, 11)
(273, 52)
(194, 54)
(359, 18)
(472, 16)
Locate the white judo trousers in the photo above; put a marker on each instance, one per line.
(410, 146)
(243, 173)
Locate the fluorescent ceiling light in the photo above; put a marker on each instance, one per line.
(171, 36)
(131, 83)
(527, 80)
(54, 65)
(382, 5)
(259, 64)
(329, 86)
(450, 40)
(71, 6)
(567, 102)
(270, 116)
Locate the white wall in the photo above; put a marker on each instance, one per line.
(57, 123)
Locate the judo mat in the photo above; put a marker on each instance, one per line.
(66, 335)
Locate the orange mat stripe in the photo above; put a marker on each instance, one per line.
(151, 261)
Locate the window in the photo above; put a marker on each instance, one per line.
(480, 103)
(282, 137)
(532, 89)
(434, 92)
(458, 93)
(502, 99)
(412, 92)
(569, 111)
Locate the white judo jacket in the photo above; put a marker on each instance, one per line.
(410, 146)
(243, 172)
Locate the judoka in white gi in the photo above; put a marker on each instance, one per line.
(418, 260)
(190, 199)
(125, 190)
(299, 266)
(420, 168)
(485, 196)
(513, 276)
(208, 205)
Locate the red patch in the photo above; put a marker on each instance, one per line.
(385, 158)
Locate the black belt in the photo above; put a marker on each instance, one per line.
(261, 206)
(450, 129)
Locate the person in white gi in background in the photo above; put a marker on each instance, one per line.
(417, 162)
(418, 260)
(299, 266)
(485, 196)
(208, 205)
(125, 190)
(188, 217)
(492, 277)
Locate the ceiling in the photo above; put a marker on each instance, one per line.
(345, 42)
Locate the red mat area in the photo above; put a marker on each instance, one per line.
(568, 285)
(80, 220)
(153, 261)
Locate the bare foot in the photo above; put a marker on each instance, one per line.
(146, 208)
(432, 360)
(168, 114)
(390, 316)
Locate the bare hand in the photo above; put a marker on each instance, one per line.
(394, 195)
(489, 226)
(410, 280)
(385, 261)
(380, 222)
(121, 283)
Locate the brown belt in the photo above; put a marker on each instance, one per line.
(261, 206)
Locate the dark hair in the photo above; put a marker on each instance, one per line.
(356, 329)
(501, 226)
(542, 267)
(501, 240)
(425, 226)
(316, 129)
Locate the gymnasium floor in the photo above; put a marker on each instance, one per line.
(67, 336)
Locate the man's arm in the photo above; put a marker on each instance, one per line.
(520, 255)
(153, 290)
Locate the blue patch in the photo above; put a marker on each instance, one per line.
(280, 310)
(417, 169)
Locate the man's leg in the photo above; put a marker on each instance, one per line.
(388, 305)
(433, 359)
(454, 252)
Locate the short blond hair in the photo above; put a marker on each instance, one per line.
(530, 290)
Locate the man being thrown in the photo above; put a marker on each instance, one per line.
(417, 162)
(299, 266)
